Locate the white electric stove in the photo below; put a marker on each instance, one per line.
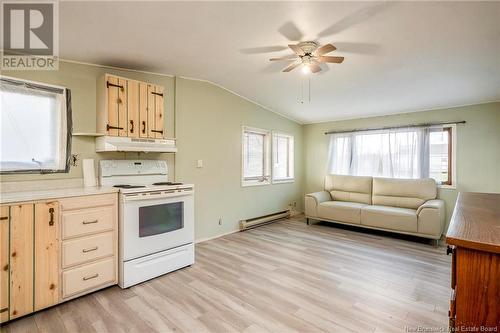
(156, 219)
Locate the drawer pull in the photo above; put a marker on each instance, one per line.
(4, 310)
(90, 222)
(90, 250)
(51, 212)
(85, 278)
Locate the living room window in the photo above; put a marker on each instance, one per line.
(283, 158)
(35, 125)
(412, 152)
(256, 157)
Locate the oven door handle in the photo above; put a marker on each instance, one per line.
(138, 197)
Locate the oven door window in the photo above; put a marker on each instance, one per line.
(160, 219)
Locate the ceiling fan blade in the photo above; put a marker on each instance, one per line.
(314, 68)
(290, 31)
(263, 49)
(327, 48)
(292, 66)
(290, 57)
(337, 60)
(296, 49)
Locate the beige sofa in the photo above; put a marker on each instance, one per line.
(407, 206)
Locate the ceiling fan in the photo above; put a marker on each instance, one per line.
(309, 55)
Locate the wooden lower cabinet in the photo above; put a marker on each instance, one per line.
(36, 235)
(46, 254)
(4, 263)
(21, 260)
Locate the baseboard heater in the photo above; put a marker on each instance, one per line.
(261, 220)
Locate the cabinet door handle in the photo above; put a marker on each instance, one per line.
(131, 126)
(143, 127)
(85, 278)
(51, 212)
(90, 250)
(108, 84)
(157, 131)
(108, 127)
(90, 222)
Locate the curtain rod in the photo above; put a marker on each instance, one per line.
(396, 127)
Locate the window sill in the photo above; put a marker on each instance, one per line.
(448, 187)
(250, 184)
(283, 181)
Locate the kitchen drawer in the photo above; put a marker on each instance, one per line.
(87, 221)
(88, 201)
(87, 277)
(81, 250)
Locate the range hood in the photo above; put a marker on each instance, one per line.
(117, 143)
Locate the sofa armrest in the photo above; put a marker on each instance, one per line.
(432, 204)
(320, 197)
(431, 217)
(312, 201)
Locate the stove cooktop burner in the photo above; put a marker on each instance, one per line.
(129, 186)
(167, 183)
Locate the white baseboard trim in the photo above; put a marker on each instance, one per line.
(201, 240)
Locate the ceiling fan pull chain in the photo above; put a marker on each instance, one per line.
(309, 79)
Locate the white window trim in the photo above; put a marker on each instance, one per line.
(284, 180)
(267, 157)
(453, 185)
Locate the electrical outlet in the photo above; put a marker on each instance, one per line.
(295, 204)
(220, 221)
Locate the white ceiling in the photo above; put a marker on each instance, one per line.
(399, 56)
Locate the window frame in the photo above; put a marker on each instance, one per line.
(266, 158)
(291, 158)
(452, 154)
(63, 132)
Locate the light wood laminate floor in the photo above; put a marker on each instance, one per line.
(282, 277)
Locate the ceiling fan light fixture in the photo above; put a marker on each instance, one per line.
(306, 69)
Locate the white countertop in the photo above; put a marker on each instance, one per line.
(56, 193)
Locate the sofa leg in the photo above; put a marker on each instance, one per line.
(307, 221)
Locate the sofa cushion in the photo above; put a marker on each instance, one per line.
(393, 218)
(349, 188)
(404, 193)
(341, 211)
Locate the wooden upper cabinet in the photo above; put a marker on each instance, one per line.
(143, 110)
(129, 108)
(46, 254)
(4, 264)
(159, 123)
(21, 260)
(133, 104)
(151, 111)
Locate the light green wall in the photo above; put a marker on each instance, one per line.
(82, 80)
(209, 124)
(478, 146)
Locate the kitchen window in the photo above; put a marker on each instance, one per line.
(283, 158)
(35, 124)
(412, 152)
(256, 157)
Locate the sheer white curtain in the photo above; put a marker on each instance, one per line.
(395, 153)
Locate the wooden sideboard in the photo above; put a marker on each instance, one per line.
(473, 239)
